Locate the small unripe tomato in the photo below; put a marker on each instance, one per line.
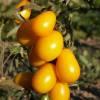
(67, 67)
(24, 79)
(44, 97)
(34, 60)
(23, 12)
(60, 91)
(23, 35)
(44, 79)
(49, 47)
(43, 24)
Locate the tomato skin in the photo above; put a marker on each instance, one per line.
(49, 47)
(24, 35)
(25, 13)
(34, 60)
(43, 24)
(67, 67)
(44, 79)
(60, 91)
(24, 79)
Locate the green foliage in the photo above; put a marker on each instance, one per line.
(79, 22)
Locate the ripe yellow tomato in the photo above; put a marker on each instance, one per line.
(60, 91)
(24, 35)
(49, 47)
(43, 24)
(24, 79)
(67, 67)
(24, 12)
(34, 60)
(44, 79)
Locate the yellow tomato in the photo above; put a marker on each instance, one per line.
(24, 35)
(34, 60)
(49, 47)
(24, 12)
(44, 79)
(24, 79)
(67, 67)
(43, 24)
(60, 91)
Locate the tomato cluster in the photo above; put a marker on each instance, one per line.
(47, 45)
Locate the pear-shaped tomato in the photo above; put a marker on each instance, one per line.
(23, 35)
(60, 91)
(24, 79)
(67, 67)
(49, 47)
(43, 24)
(44, 79)
(34, 60)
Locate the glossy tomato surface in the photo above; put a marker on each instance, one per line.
(44, 79)
(60, 91)
(43, 24)
(24, 79)
(49, 47)
(67, 67)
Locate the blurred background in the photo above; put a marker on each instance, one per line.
(79, 22)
